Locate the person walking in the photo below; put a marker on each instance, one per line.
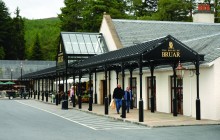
(71, 93)
(128, 97)
(117, 95)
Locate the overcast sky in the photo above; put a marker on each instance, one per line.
(35, 9)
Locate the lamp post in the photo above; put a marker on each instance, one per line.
(21, 71)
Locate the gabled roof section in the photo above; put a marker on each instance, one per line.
(76, 46)
(170, 49)
(162, 51)
(201, 37)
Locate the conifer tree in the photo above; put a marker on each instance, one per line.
(18, 36)
(37, 51)
(5, 30)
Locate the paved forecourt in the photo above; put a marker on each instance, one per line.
(155, 119)
(83, 118)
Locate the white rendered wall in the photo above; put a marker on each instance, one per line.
(217, 88)
(163, 93)
(104, 29)
(209, 81)
(207, 93)
(189, 93)
(113, 82)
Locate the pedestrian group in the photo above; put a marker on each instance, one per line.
(118, 94)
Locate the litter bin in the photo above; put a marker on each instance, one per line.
(64, 104)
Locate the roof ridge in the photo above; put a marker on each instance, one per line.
(113, 31)
(166, 22)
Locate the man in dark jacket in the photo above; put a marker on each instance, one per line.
(117, 95)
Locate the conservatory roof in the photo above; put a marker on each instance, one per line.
(83, 43)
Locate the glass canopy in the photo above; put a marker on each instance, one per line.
(83, 43)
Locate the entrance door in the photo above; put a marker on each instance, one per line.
(134, 91)
(179, 94)
(103, 94)
(149, 88)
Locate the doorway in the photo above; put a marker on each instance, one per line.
(134, 91)
(102, 91)
(179, 94)
(149, 88)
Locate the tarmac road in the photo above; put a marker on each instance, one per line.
(20, 120)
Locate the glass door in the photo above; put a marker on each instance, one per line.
(134, 91)
(179, 94)
(149, 88)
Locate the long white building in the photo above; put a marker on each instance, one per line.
(201, 37)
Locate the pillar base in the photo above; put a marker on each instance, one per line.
(106, 105)
(198, 112)
(141, 111)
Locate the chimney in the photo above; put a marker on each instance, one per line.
(203, 14)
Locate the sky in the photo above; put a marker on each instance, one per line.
(35, 9)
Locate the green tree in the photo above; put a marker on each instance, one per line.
(48, 31)
(140, 8)
(37, 52)
(93, 13)
(173, 10)
(2, 53)
(71, 17)
(217, 11)
(86, 15)
(5, 32)
(18, 36)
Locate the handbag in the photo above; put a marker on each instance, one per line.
(112, 104)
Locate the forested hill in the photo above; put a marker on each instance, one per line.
(43, 34)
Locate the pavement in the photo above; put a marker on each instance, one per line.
(156, 119)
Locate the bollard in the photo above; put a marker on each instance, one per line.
(38, 95)
(95, 98)
(46, 96)
(198, 114)
(80, 101)
(56, 96)
(123, 115)
(90, 103)
(64, 104)
(141, 111)
(106, 105)
(132, 104)
(42, 96)
(74, 100)
(174, 107)
(29, 94)
(152, 104)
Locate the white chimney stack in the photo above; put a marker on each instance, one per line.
(204, 14)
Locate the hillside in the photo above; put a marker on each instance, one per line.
(48, 31)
